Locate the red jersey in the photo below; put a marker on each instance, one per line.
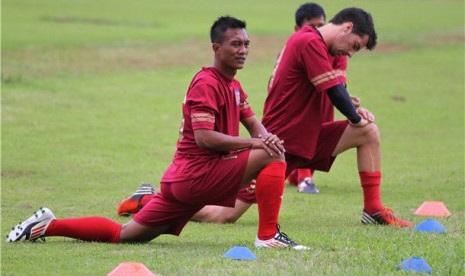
(340, 67)
(212, 102)
(297, 103)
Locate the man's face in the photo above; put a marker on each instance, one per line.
(315, 22)
(347, 43)
(233, 51)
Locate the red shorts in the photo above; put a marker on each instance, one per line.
(177, 202)
(330, 135)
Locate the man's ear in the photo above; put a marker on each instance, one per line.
(215, 47)
(348, 26)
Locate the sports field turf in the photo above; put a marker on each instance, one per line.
(91, 103)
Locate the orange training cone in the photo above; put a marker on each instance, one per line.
(133, 269)
(432, 209)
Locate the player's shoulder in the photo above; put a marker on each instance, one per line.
(309, 32)
(205, 76)
(306, 36)
(205, 73)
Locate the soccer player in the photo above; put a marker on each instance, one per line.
(305, 85)
(314, 15)
(210, 165)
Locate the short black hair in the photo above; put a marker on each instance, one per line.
(222, 24)
(308, 11)
(363, 23)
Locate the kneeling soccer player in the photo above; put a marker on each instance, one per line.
(209, 167)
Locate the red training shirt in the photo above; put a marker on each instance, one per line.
(212, 102)
(297, 103)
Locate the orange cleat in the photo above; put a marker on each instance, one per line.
(385, 216)
(132, 204)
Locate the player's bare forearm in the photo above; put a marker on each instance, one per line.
(256, 129)
(254, 126)
(218, 141)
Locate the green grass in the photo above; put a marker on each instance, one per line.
(91, 97)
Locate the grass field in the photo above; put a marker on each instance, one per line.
(91, 98)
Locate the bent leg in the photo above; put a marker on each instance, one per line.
(258, 159)
(221, 214)
(367, 141)
(269, 172)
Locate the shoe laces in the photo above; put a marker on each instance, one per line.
(283, 237)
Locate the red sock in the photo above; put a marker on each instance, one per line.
(371, 182)
(97, 229)
(269, 191)
(144, 200)
(303, 173)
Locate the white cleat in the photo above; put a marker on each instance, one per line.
(280, 240)
(33, 228)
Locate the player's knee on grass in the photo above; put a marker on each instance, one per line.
(231, 215)
(216, 214)
(229, 218)
(132, 232)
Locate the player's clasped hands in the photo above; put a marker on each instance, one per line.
(271, 144)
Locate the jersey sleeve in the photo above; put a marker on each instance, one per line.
(340, 67)
(202, 101)
(245, 109)
(319, 70)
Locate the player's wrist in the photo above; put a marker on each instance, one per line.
(361, 123)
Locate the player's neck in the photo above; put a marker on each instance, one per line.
(226, 71)
(329, 32)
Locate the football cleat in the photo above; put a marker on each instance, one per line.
(132, 204)
(385, 217)
(280, 240)
(307, 186)
(33, 228)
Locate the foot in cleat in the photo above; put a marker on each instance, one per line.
(133, 204)
(307, 186)
(385, 217)
(280, 240)
(33, 228)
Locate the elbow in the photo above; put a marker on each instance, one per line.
(207, 139)
(202, 142)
